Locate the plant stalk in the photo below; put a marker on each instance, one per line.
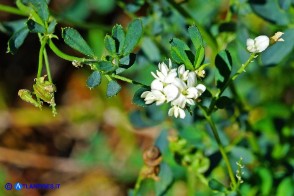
(222, 151)
(64, 56)
(47, 65)
(229, 81)
(11, 10)
(40, 64)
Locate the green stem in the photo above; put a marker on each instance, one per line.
(222, 150)
(137, 185)
(63, 55)
(12, 10)
(40, 64)
(127, 80)
(229, 81)
(207, 37)
(47, 65)
(191, 180)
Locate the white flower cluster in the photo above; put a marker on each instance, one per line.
(177, 86)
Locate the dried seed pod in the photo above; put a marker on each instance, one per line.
(152, 156)
(151, 172)
(26, 95)
(44, 90)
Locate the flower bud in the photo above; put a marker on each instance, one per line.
(258, 44)
(277, 37)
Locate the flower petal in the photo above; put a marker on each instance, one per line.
(157, 85)
(163, 68)
(201, 88)
(144, 94)
(261, 43)
(179, 101)
(171, 92)
(250, 45)
(192, 80)
(180, 84)
(182, 113)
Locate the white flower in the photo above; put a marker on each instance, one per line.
(170, 91)
(177, 86)
(154, 96)
(176, 111)
(258, 44)
(188, 91)
(165, 74)
(183, 73)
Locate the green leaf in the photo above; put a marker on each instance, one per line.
(216, 185)
(134, 33)
(105, 66)
(137, 97)
(110, 44)
(94, 79)
(112, 88)
(35, 27)
(150, 49)
(119, 36)
(119, 70)
(135, 5)
(266, 180)
(285, 4)
(17, 40)
(200, 53)
(265, 10)
(223, 63)
(40, 7)
(179, 53)
(165, 179)
(127, 61)
(73, 39)
(195, 37)
(286, 188)
(12, 26)
(51, 27)
(197, 41)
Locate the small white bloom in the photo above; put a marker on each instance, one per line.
(258, 44)
(171, 92)
(183, 73)
(165, 74)
(176, 111)
(156, 85)
(153, 96)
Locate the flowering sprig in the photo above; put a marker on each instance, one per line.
(239, 171)
(175, 86)
(262, 42)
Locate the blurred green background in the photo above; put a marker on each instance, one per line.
(94, 145)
